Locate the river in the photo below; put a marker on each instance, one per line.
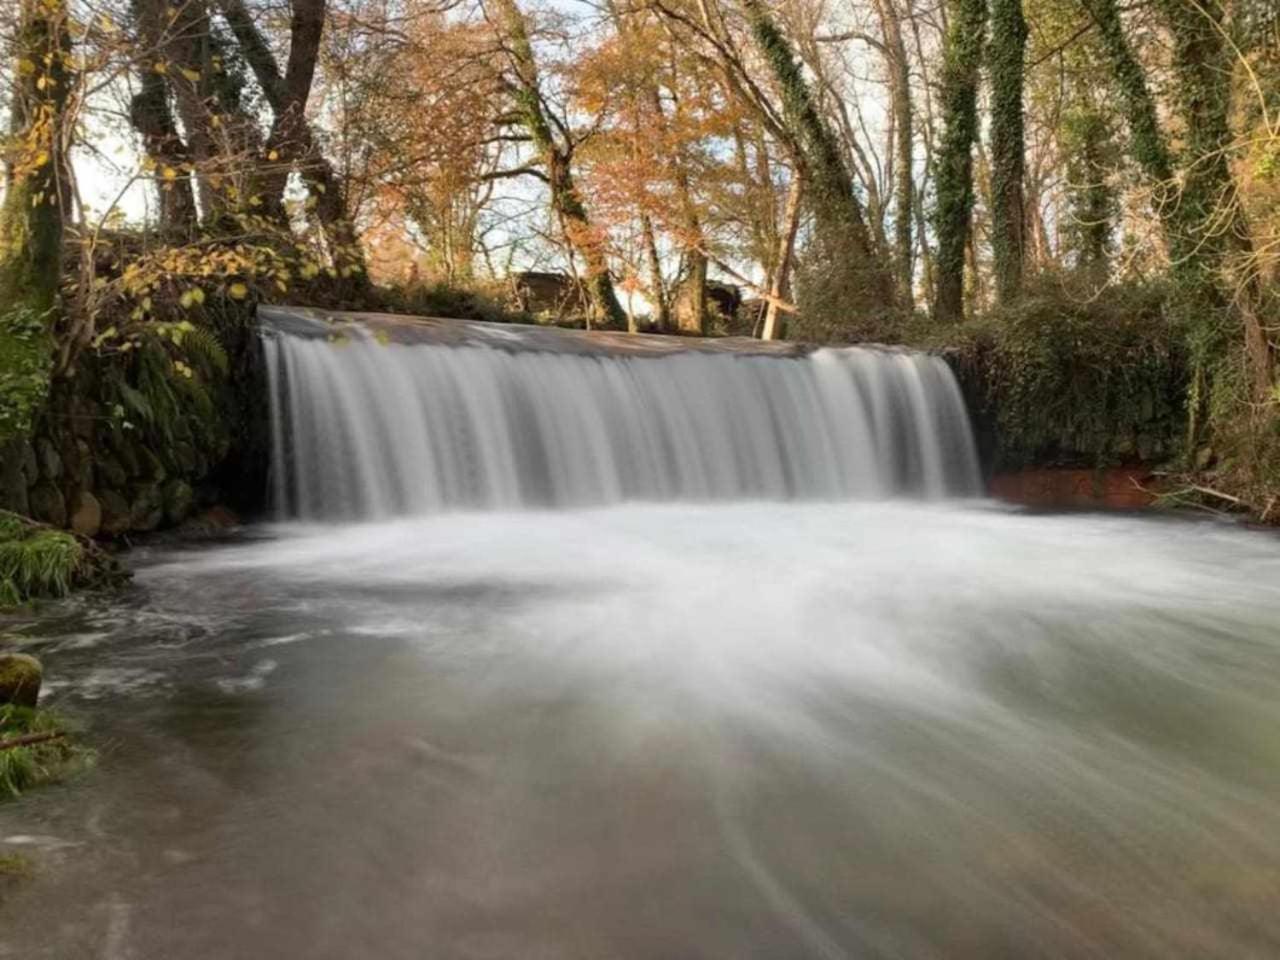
(740, 730)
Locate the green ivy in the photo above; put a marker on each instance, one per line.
(953, 205)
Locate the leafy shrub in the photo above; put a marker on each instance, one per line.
(1071, 379)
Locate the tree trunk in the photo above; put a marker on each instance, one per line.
(34, 212)
(151, 116)
(780, 282)
(281, 94)
(904, 153)
(962, 60)
(840, 225)
(1007, 52)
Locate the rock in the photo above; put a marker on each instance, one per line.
(147, 509)
(84, 461)
(152, 466)
(178, 498)
(47, 505)
(111, 474)
(50, 461)
(83, 418)
(30, 465)
(212, 522)
(86, 515)
(129, 460)
(20, 678)
(116, 515)
(13, 485)
(184, 457)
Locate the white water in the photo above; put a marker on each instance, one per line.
(364, 429)
(745, 731)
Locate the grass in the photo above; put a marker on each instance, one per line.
(22, 768)
(35, 561)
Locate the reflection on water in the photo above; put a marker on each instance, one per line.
(759, 730)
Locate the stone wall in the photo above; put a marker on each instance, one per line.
(101, 468)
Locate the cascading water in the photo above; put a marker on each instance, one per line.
(365, 428)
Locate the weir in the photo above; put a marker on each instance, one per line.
(376, 415)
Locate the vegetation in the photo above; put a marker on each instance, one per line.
(23, 767)
(1084, 382)
(35, 562)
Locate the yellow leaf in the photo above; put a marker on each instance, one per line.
(160, 67)
(26, 68)
(192, 75)
(169, 173)
(274, 155)
(238, 291)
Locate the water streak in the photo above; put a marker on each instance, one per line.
(364, 429)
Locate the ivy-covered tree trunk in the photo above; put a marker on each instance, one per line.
(1203, 224)
(1146, 141)
(1086, 136)
(34, 211)
(953, 212)
(1007, 53)
(841, 236)
(566, 201)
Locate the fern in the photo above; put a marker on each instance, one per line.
(203, 349)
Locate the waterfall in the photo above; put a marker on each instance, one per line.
(365, 427)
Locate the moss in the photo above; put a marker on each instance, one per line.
(20, 679)
(36, 561)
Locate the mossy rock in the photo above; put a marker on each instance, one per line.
(116, 514)
(147, 510)
(86, 515)
(48, 505)
(111, 474)
(20, 679)
(49, 459)
(178, 500)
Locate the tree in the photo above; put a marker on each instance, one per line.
(35, 209)
(555, 147)
(847, 259)
(962, 60)
(1007, 52)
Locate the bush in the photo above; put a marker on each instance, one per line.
(477, 301)
(1066, 379)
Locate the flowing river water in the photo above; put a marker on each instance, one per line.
(749, 730)
(649, 658)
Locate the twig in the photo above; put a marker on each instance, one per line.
(28, 739)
